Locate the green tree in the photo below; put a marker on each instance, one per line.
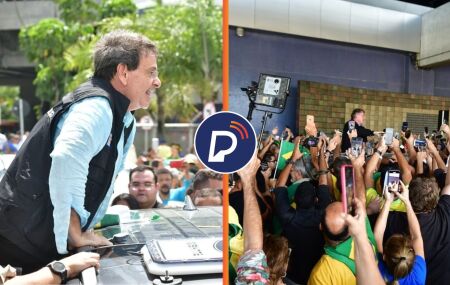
(8, 95)
(188, 36)
(189, 40)
(44, 44)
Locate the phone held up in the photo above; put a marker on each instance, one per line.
(392, 178)
(351, 125)
(347, 188)
(389, 136)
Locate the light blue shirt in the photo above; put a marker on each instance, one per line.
(178, 194)
(81, 134)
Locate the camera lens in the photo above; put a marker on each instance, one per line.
(276, 81)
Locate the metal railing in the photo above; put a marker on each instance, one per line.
(180, 133)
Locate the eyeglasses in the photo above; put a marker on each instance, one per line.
(146, 184)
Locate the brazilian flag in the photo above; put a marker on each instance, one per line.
(286, 150)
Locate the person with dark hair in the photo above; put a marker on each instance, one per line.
(126, 200)
(61, 180)
(300, 225)
(358, 116)
(164, 177)
(143, 186)
(401, 259)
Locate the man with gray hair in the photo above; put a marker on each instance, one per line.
(59, 185)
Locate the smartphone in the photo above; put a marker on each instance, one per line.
(392, 177)
(420, 143)
(404, 126)
(309, 119)
(356, 146)
(347, 188)
(389, 136)
(312, 141)
(264, 135)
(369, 148)
(351, 125)
(407, 134)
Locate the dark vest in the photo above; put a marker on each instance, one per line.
(26, 211)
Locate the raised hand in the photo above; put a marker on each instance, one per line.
(352, 134)
(357, 161)
(250, 169)
(403, 194)
(356, 224)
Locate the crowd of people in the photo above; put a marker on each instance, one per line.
(334, 211)
(11, 143)
(164, 181)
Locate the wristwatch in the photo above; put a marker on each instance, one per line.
(58, 268)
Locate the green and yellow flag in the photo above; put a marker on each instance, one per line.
(286, 150)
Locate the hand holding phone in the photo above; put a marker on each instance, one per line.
(310, 127)
(347, 188)
(391, 181)
(389, 136)
(404, 126)
(420, 144)
(351, 126)
(356, 146)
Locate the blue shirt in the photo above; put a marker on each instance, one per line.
(178, 194)
(417, 275)
(80, 134)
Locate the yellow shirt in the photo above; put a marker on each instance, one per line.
(237, 242)
(396, 205)
(329, 271)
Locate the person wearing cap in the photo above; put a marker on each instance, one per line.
(300, 224)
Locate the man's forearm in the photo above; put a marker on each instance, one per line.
(370, 169)
(74, 236)
(366, 269)
(253, 233)
(284, 175)
(360, 186)
(404, 166)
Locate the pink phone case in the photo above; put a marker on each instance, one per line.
(344, 189)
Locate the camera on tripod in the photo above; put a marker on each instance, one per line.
(251, 90)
